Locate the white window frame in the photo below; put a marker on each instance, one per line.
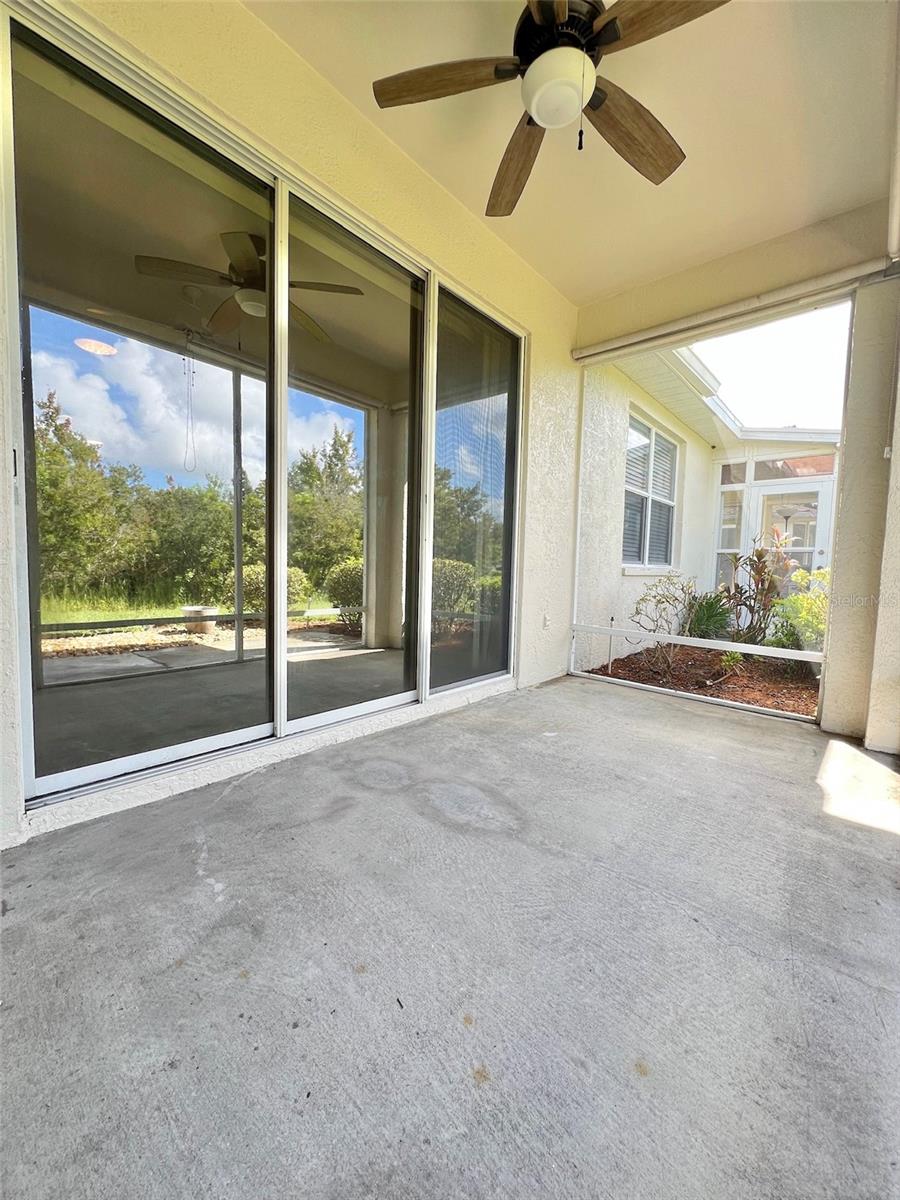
(650, 498)
(749, 490)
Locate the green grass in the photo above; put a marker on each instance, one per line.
(56, 609)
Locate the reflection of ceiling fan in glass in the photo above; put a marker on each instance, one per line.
(247, 275)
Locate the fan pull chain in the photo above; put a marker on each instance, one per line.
(581, 114)
(190, 443)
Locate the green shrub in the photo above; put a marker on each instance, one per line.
(344, 588)
(453, 585)
(490, 594)
(709, 616)
(298, 587)
(785, 635)
(255, 595)
(805, 607)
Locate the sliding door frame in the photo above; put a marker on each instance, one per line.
(85, 43)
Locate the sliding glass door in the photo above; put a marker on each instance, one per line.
(145, 300)
(150, 270)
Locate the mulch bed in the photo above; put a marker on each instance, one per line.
(762, 681)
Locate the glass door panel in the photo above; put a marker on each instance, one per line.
(474, 494)
(145, 329)
(730, 532)
(353, 450)
(798, 520)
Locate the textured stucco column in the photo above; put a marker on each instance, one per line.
(883, 721)
(386, 550)
(860, 530)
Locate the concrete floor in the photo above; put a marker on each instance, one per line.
(575, 942)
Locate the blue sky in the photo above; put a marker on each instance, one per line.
(134, 404)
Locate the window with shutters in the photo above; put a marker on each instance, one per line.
(651, 462)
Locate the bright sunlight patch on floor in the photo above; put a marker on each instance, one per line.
(859, 788)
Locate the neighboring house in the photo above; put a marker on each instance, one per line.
(672, 482)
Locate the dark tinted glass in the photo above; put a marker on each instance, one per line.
(474, 494)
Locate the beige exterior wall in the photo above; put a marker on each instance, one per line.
(860, 537)
(607, 590)
(883, 717)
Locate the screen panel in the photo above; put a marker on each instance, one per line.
(474, 494)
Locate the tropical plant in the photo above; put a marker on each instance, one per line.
(709, 616)
(664, 606)
(732, 663)
(756, 582)
(344, 588)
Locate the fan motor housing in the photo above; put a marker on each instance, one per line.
(531, 40)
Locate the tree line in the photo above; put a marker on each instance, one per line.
(104, 530)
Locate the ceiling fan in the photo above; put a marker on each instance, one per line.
(557, 47)
(247, 275)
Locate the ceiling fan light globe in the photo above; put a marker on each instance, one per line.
(251, 301)
(557, 86)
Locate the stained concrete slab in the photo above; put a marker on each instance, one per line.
(575, 942)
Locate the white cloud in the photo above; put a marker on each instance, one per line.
(136, 406)
(85, 399)
(305, 432)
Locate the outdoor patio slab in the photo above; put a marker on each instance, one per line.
(76, 668)
(581, 941)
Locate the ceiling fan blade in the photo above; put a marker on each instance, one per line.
(305, 321)
(515, 167)
(226, 318)
(243, 250)
(339, 289)
(640, 20)
(443, 79)
(560, 10)
(633, 132)
(537, 13)
(181, 272)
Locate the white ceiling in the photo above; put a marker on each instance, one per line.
(783, 108)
